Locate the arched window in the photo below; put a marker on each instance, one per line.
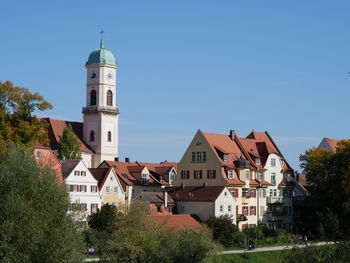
(92, 136)
(109, 98)
(109, 136)
(93, 97)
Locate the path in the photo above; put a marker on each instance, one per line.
(262, 249)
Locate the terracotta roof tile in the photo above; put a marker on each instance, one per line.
(332, 143)
(100, 175)
(155, 197)
(68, 166)
(180, 222)
(193, 193)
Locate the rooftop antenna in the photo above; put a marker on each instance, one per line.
(101, 32)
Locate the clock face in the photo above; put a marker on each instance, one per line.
(110, 75)
(93, 75)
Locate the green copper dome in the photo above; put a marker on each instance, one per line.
(101, 56)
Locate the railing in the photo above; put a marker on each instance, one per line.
(276, 199)
(92, 109)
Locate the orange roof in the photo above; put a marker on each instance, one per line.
(48, 159)
(179, 222)
(332, 143)
(55, 130)
(100, 175)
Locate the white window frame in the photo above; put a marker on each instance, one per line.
(221, 208)
(247, 175)
(273, 178)
(108, 190)
(229, 208)
(273, 162)
(198, 157)
(115, 189)
(230, 174)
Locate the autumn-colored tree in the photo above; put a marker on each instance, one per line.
(328, 175)
(68, 147)
(17, 124)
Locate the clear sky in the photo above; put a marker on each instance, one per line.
(280, 66)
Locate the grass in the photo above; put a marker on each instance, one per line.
(258, 257)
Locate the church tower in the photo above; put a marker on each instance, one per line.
(100, 126)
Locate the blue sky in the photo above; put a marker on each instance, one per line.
(280, 66)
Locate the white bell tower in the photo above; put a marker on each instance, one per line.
(100, 126)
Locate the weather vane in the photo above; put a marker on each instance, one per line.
(101, 32)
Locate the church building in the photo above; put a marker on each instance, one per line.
(98, 134)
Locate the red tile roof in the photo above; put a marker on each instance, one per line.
(55, 130)
(48, 159)
(332, 143)
(68, 166)
(195, 193)
(100, 175)
(179, 222)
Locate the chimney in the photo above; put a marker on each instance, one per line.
(205, 184)
(116, 159)
(232, 134)
(165, 196)
(297, 175)
(182, 185)
(127, 159)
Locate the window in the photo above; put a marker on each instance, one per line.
(115, 189)
(262, 193)
(83, 188)
(92, 136)
(133, 193)
(204, 157)
(271, 192)
(245, 192)
(93, 97)
(193, 157)
(94, 208)
(273, 162)
(257, 161)
(75, 188)
(252, 210)
(182, 209)
(83, 207)
(93, 189)
(185, 174)
(245, 210)
(274, 192)
(199, 157)
(273, 178)
(221, 208)
(159, 209)
(109, 136)
(211, 174)
(38, 154)
(230, 174)
(197, 174)
(109, 98)
(145, 178)
(247, 175)
(253, 192)
(229, 208)
(225, 158)
(107, 189)
(261, 176)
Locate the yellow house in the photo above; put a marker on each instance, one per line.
(240, 164)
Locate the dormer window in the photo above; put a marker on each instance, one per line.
(38, 154)
(230, 174)
(261, 176)
(145, 178)
(225, 158)
(247, 175)
(257, 161)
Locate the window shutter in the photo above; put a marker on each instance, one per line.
(194, 174)
(214, 174)
(200, 174)
(236, 209)
(91, 188)
(236, 192)
(182, 174)
(71, 188)
(90, 209)
(249, 210)
(254, 210)
(251, 175)
(254, 192)
(208, 174)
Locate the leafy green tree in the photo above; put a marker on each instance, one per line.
(34, 225)
(17, 124)
(328, 208)
(223, 229)
(68, 147)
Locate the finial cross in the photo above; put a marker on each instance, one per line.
(101, 32)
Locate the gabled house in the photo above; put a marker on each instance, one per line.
(110, 188)
(329, 144)
(82, 187)
(204, 201)
(164, 171)
(46, 158)
(134, 178)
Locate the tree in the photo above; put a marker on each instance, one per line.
(17, 125)
(34, 225)
(223, 229)
(68, 147)
(328, 176)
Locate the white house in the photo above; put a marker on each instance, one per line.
(82, 187)
(204, 201)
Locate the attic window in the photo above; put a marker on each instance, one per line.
(145, 178)
(38, 154)
(230, 174)
(257, 161)
(225, 158)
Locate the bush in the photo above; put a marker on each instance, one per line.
(223, 229)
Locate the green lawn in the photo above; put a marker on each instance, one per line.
(257, 257)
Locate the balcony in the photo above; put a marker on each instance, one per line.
(276, 199)
(106, 109)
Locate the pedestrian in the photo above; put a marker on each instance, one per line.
(253, 244)
(305, 239)
(250, 244)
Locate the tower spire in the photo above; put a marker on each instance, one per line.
(101, 32)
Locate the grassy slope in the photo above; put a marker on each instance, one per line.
(258, 257)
